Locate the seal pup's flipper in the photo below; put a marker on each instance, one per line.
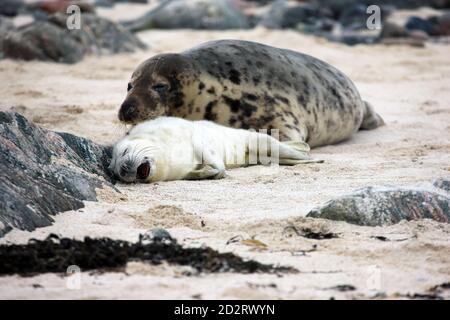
(296, 152)
(205, 172)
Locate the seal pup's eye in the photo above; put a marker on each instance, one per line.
(160, 87)
(129, 87)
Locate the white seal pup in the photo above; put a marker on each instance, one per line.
(169, 148)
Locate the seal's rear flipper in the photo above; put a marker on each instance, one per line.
(295, 152)
(371, 119)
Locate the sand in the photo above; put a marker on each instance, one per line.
(409, 87)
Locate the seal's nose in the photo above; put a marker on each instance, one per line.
(126, 173)
(128, 111)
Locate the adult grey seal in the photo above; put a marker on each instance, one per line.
(245, 85)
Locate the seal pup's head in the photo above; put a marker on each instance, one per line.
(154, 88)
(133, 160)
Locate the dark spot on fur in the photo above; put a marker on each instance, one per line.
(269, 101)
(250, 96)
(237, 106)
(232, 103)
(209, 115)
(301, 100)
(235, 76)
(201, 86)
(256, 80)
(211, 90)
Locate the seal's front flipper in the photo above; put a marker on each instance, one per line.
(295, 152)
(205, 172)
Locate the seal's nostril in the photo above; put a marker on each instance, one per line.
(127, 111)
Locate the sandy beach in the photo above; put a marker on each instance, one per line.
(409, 87)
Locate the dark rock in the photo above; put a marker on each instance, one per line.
(441, 24)
(282, 15)
(339, 6)
(5, 26)
(442, 184)
(111, 3)
(106, 253)
(157, 235)
(54, 6)
(101, 36)
(44, 172)
(42, 40)
(354, 17)
(375, 206)
(51, 40)
(392, 30)
(417, 23)
(191, 14)
(11, 8)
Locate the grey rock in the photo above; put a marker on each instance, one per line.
(283, 15)
(441, 24)
(377, 206)
(425, 25)
(44, 172)
(442, 184)
(157, 235)
(100, 36)
(11, 8)
(191, 14)
(5, 26)
(50, 40)
(44, 41)
(392, 30)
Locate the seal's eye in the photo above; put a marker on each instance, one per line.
(143, 171)
(160, 87)
(129, 87)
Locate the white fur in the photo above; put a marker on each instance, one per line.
(177, 147)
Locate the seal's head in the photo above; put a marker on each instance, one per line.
(155, 86)
(133, 161)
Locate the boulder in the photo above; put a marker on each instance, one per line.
(380, 206)
(54, 6)
(420, 24)
(191, 14)
(43, 173)
(100, 36)
(11, 8)
(283, 15)
(441, 24)
(5, 26)
(44, 41)
(51, 40)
